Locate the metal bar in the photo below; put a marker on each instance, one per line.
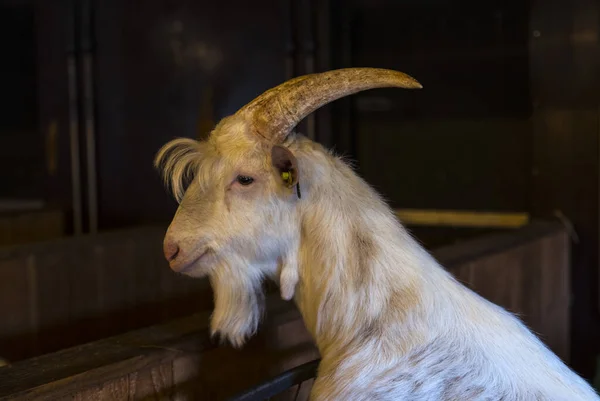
(88, 110)
(323, 63)
(280, 383)
(298, 391)
(74, 120)
(346, 141)
(90, 138)
(308, 50)
(290, 46)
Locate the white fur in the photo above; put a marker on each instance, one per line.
(390, 323)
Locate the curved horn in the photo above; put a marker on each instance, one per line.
(277, 111)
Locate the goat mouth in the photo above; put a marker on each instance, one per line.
(189, 266)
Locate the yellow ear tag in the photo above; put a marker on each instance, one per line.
(287, 177)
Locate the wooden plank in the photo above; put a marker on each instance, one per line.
(118, 389)
(186, 370)
(94, 286)
(53, 225)
(555, 294)
(85, 268)
(294, 339)
(54, 303)
(94, 364)
(5, 231)
(148, 273)
(473, 249)
(118, 281)
(25, 227)
(72, 370)
(18, 307)
(210, 379)
(154, 383)
(22, 226)
(499, 280)
(66, 243)
(464, 273)
(531, 269)
(462, 218)
(530, 280)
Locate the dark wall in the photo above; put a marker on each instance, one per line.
(155, 65)
(34, 114)
(465, 140)
(21, 150)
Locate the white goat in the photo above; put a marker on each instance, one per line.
(389, 322)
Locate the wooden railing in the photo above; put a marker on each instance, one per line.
(60, 293)
(526, 271)
(26, 226)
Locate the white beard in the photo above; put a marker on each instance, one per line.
(239, 301)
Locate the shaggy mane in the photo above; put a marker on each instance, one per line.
(178, 161)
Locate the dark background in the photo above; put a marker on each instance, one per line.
(508, 120)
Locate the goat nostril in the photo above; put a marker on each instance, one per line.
(175, 254)
(171, 250)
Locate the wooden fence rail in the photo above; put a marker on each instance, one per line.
(60, 293)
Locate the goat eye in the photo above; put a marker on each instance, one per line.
(244, 180)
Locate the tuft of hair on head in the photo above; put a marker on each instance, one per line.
(178, 161)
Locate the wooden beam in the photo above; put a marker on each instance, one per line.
(460, 218)
(70, 371)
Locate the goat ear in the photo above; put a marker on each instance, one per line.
(286, 164)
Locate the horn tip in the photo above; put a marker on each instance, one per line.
(414, 84)
(407, 82)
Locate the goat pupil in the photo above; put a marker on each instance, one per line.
(242, 179)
